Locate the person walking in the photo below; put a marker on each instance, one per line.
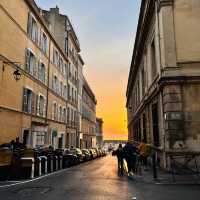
(130, 152)
(120, 156)
(144, 153)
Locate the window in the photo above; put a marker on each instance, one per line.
(41, 106)
(65, 92)
(61, 65)
(153, 60)
(44, 42)
(61, 88)
(54, 113)
(143, 81)
(32, 28)
(64, 115)
(66, 44)
(55, 83)
(55, 57)
(41, 72)
(30, 62)
(68, 90)
(40, 138)
(28, 101)
(60, 114)
(68, 114)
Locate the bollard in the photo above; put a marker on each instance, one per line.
(45, 158)
(51, 164)
(32, 165)
(56, 157)
(61, 161)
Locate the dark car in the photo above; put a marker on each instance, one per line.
(87, 154)
(69, 158)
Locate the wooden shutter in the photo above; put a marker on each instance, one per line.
(27, 60)
(29, 25)
(45, 104)
(35, 67)
(25, 105)
(37, 104)
(33, 103)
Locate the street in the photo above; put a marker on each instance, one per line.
(95, 180)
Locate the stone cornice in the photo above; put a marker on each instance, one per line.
(162, 3)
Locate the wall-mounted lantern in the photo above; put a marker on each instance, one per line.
(16, 73)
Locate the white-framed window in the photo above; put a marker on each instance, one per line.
(65, 91)
(61, 64)
(28, 101)
(32, 28)
(60, 113)
(55, 83)
(44, 42)
(54, 111)
(40, 139)
(55, 57)
(64, 115)
(41, 105)
(30, 62)
(41, 72)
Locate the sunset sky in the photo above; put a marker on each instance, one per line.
(106, 31)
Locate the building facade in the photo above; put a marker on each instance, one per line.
(99, 132)
(88, 117)
(64, 34)
(164, 80)
(41, 108)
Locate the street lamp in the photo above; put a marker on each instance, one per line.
(17, 75)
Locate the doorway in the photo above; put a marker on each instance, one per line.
(155, 121)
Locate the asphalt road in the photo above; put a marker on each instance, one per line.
(96, 180)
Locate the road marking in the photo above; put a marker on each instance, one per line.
(35, 179)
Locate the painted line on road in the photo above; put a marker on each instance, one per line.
(35, 179)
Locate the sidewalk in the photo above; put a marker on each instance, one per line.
(164, 177)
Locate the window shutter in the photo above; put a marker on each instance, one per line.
(44, 111)
(35, 67)
(39, 70)
(37, 104)
(29, 25)
(33, 103)
(25, 105)
(52, 111)
(27, 60)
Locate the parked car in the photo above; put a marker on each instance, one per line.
(87, 154)
(78, 153)
(93, 153)
(69, 158)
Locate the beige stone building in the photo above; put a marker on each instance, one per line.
(164, 81)
(89, 102)
(41, 108)
(65, 35)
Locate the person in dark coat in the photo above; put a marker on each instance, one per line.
(120, 156)
(130, 153)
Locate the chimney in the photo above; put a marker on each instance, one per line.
(55, 10)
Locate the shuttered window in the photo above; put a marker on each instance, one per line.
(30, 63)
(32, 28)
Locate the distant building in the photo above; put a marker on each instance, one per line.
(88, 117)
(99, 132)
(163, 89)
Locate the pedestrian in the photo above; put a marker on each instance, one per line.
(120, 156)
(130, 152)
(144, 151)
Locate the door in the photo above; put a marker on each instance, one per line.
(155, 124)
